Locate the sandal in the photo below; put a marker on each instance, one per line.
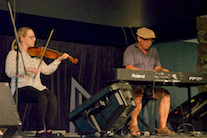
(134, 130)
(165, 131)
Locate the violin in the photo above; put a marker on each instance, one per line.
(49, 53)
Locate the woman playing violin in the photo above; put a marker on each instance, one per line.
(30, 88)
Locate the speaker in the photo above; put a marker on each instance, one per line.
(180, 116)
(108, 110)
(9, 117)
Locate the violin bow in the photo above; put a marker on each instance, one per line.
(46, 47)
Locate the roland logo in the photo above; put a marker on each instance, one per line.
(138, 76)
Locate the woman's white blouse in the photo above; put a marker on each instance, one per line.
(27, 79)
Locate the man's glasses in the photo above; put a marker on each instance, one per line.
(152, 40)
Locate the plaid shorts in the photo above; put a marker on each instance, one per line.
(146, 90)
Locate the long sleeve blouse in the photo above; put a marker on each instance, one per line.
(28, 79)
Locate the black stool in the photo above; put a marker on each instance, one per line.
(24, 112)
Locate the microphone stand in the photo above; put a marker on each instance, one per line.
(19, 50)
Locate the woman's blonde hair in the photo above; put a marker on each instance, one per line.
(21, 32)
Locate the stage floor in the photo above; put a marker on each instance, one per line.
(29, 134)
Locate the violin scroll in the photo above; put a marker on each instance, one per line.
(74, 61)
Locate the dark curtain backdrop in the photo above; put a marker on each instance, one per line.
(94, 60)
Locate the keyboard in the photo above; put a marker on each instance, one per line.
(182, 79)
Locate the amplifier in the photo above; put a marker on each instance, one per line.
(9, 116)
(180, 116)
(108, 110)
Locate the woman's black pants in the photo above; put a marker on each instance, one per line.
(45, 104)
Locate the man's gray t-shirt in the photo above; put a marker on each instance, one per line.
(135, 57)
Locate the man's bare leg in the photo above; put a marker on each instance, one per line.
(164, 108)
(138, 95)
